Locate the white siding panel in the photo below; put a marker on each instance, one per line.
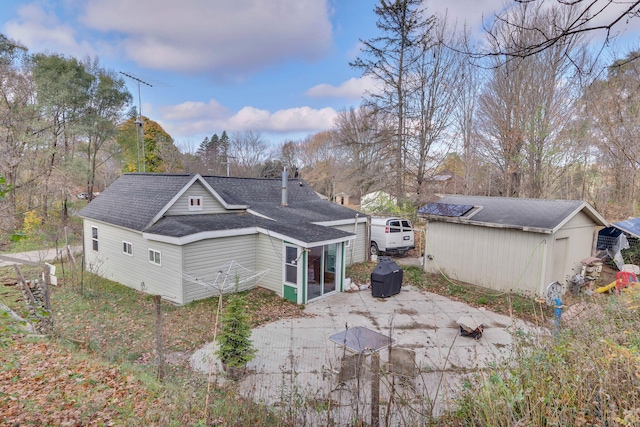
(205, 258)
(134, 271)
(209, 203)
(580, 233)
(499, 259)
(359, 252)
(269, 256)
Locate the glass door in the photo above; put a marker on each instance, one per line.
(314, 273)
(321, 270)
(329, 275)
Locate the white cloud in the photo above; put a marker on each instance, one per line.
(471, 12)
(41, 31)
(351, 89)
(289, 120)
(194, 118)
(214, 35)
(192, 110)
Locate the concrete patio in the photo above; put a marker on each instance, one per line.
(296, 360)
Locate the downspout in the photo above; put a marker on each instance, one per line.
(424, 249)
(544, 275)
(355, 231)
(367, 240)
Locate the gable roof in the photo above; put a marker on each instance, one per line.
(134, 199)
(138, 201)
(538, 215)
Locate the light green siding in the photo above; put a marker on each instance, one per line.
(269, 255)
(357, 250)
(204, 259)
(134, 271)
(209, 203)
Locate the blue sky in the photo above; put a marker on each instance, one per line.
(278, 67)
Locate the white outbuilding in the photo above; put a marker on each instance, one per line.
(509, 244)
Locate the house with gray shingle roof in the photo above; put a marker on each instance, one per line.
(509, 244)
(169, 234)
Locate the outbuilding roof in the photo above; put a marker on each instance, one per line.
(138, 201)
(538, 215)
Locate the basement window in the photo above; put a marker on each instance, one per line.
(195, 203)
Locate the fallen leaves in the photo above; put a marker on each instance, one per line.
(43, 383)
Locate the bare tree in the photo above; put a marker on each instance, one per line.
(611, 105)
(432, 90)
(586, 16)
(17, 121)
(464, 122)
(288, 155)
(321, 163)
(388, 59)
(362, 136)
(246, 151)
(524, 105)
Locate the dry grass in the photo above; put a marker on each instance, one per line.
(586, 374)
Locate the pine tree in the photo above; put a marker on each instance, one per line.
(235, 348)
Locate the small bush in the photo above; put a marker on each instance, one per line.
(235, 347)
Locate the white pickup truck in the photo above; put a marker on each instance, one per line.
(392, 236)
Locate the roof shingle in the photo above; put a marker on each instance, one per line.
(135, 199)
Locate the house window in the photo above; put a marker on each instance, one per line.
(127, 248)
(154, 256)
(291, 267)
(94, 238)
(347, 244)
(195, 203)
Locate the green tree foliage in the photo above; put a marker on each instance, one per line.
(62, 87)
(160, 153)
(235, 348)
(214, 154)
(108, 96)
(3, 187)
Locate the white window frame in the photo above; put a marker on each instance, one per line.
(195, 203)
(293, 264)
(127, 248)
(157, 255)
(95, 244)
(347, 244)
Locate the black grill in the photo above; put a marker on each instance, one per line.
(386, 278)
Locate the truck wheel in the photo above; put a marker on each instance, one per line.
(374, 248)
